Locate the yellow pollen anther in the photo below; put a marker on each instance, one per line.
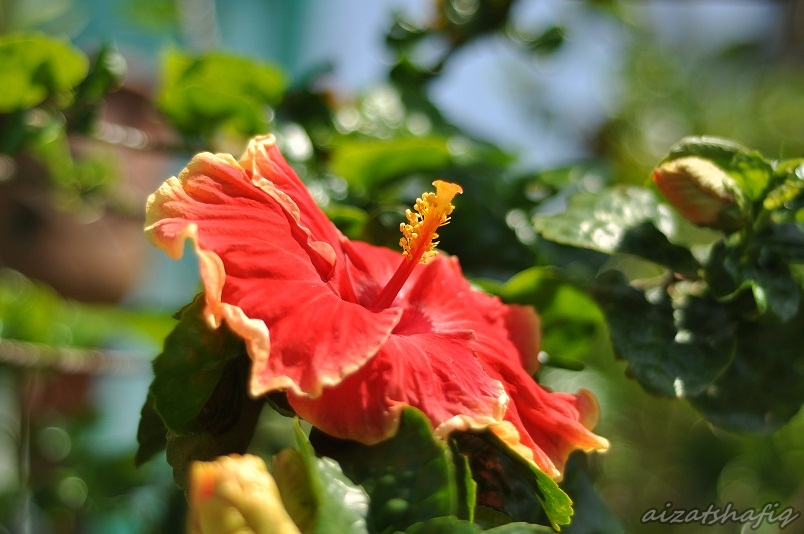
(419, 237)
(431, 211)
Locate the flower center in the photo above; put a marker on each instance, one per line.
(419, 236)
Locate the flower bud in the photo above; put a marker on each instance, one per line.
(700, 190)
(235, 494)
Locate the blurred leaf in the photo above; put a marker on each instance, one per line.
(571, 322)
(105, 76)
(619, 220)
(370, 164)
(450, 525)
(190, 366)
(464, 25)
(508, 484)
(151, 433)
(751, 171)
(224, 425)
(409, 478)
(593, 515)
(156, 15)
(202, 95)
(32, 311)
(34, 14)
(403, 33)
(788, 196)
(316, 493)
(349, 219)
(732, 270)
(488, 518)
(674, 348)
(547, 42)
(764, 386)
(785, 241)
(35, 68)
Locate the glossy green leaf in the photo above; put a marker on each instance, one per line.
(368, 164)
(624, 220)
(674, 348)
(764, 387)
(409, 478)
(203, 94)
(224, 425)
(36, 67)
(190, 366)
(731, 270)
(316, 493)
(508, 484)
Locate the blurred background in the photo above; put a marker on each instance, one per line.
(522, 102)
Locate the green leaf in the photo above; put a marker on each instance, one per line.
(764, 387)
(369, 164)
(571, 322)
(444, 525)
(190, 366)
(151, 433)
(204, 94)
(453, 525)
(35, 68)
(224, 425)
(488, 517)
(510, 485)
(409, 478)
(105, 76)
(520, 528)
(749, 169)
(316, 493)
(785, 241)
(731, 270)
(622, 220)
(33, 312)
(674, 348)
(466, 486)
(349, 219)
(548, 42)
(593, 515)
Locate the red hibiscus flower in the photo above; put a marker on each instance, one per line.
(352, 332)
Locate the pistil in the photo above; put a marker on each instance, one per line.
(419, 236)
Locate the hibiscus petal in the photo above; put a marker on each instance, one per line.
(260, 264)
(541, 426)
(524, 331)
(436, 373)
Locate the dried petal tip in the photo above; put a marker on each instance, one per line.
(700, 190)
(431, 211)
